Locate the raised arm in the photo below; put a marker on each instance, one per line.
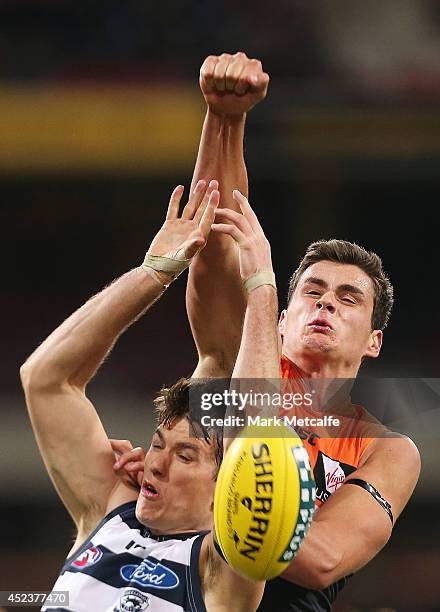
(259, 353)
(72, 440)
(258, 358)
(231, 85)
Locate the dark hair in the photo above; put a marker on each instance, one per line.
(341, 251)
(174, 402)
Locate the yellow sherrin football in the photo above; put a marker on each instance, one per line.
(264, 501)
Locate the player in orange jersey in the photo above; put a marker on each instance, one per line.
(339, 304)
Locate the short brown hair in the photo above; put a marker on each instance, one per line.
(341, 251)
(174, 402)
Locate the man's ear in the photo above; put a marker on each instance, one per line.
(282, 322)
(374, 344)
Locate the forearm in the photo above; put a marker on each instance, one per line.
(316, 565)
(258, 356)
(221, 155)
(215, 300)
(74, 351)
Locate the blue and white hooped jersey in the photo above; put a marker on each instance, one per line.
(123, 568)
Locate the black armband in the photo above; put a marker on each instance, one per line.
(375, 493)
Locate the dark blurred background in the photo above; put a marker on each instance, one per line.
(100, 119)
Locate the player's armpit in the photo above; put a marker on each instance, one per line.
(218, 364)
(75, 449)
(352, 527)
(223, 589)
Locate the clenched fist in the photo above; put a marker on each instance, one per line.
(232, 84)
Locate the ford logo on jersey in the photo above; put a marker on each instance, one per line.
(150, 574)
(87, 558)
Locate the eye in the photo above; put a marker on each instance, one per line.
(313, 292)
(349, 300)
(185, 458)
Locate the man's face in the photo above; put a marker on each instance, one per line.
(329, 316)
(178, 487)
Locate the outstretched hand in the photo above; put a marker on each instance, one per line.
(232, 84)
(183, 237)
(245, 229)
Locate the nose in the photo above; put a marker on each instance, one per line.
(159, 464)
(326, 303)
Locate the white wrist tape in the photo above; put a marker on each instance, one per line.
(261, 277)
(166, 269)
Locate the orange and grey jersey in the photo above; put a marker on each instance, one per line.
(334, 454)
(334, 451)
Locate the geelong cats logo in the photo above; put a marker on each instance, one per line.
(134, 601)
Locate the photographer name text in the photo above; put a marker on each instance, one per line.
(275, 421)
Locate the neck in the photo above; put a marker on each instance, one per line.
(313, 366)
(329, 381)
(157, 531)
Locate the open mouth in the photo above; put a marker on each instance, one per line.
(149, 490)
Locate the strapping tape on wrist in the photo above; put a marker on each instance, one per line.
(261, 277)
(165, 269)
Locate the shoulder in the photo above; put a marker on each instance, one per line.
(395, 448)
(90, 525)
